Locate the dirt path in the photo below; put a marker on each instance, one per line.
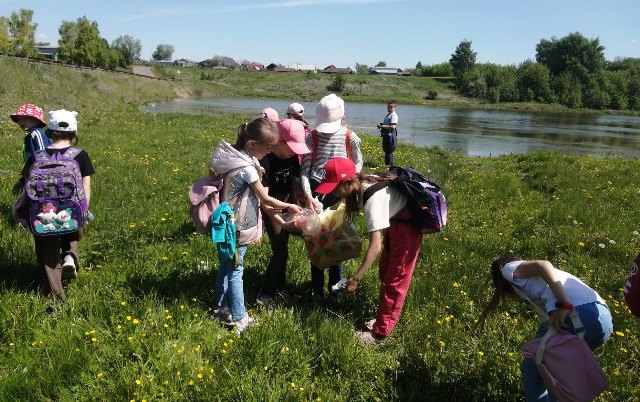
(142, 70)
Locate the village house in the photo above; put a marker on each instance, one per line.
(48, 52)
(387, 71)
(185, 63)
(337, 70)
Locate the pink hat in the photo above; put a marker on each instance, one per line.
(295, 108)
(31, 110)
(270, 114)
(329, 114)
(336, 170)
(292, 132)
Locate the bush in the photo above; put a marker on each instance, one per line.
(338, 83)
(431, 95)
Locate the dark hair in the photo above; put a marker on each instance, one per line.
(353, 200)
(392, 102)
(260, 130)
(56, 135)
(502, 286)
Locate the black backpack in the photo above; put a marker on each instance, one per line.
(425, 198)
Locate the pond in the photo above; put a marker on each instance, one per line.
(472, 132)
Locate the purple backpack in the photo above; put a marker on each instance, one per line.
(56, 193)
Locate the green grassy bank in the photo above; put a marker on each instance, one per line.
(134, 326)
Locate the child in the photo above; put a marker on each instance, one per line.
(387, 219)
(389, 133)
(330, 139)
(270, 114)
(58, 255)
(239, 163)
(296, 111)
(555, 292)
(30, 118)
(282, 172)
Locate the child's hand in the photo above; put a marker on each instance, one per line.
(18, 187)
(294, 209)
(352, 284)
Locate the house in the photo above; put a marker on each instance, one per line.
(387, 71)
(279, 68)
(185, 63)
(305, 67)
(255, 66)
(48, 52)
(165, 63)
(337, 70)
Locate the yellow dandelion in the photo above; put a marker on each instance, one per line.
(619, 333)
(123, 303)
(165, 258)
(100, 375)
(136, 321)
(581, 244)
(480, 354)
(138, 381)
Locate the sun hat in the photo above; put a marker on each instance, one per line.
(329, 114)
(295, 108)
(63, 120)
(270, 114)
(336, 170)
(31, 110)
(292, 132)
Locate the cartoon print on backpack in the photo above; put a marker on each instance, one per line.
(51, 221)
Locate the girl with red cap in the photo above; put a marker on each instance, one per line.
(388, 222)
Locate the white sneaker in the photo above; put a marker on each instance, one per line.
(69, 268)
(243, 323)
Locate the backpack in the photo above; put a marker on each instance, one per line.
(204, 196)
(566, 364)
(425, 198)
(56, 193)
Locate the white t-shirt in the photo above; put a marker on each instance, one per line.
(382, 206)
(391, 118)
(539, 292)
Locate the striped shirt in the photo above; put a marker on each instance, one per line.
(329, 145)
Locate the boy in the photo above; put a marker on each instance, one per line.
(389, 133)
(30, 118)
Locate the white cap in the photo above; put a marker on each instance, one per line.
(295, 108)
(329, 114)
(63, 120)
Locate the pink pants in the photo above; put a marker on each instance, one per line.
(402, 242)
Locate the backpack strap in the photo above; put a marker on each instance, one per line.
(374, 189)
(41, 155)
(347, 143)
(71, 153)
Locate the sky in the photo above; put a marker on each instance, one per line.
(345, 32)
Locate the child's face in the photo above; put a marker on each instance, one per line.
(391, 107)
(258, 149)
(282, 150)
(26, 123)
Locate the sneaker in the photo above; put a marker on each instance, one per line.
(264, 301)
(368, 337)
(243, 323)
(221, 313)
(69, 268)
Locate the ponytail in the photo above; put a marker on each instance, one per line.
(259, 130)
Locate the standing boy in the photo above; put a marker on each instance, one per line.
(389, 133)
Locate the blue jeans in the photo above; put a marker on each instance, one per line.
(229, 289)
(596, 319)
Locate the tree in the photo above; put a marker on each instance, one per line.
(534, 82)
(80, 43)
(463, 59)
(381, 63)
(163, 52)
(129, 49)
(23, 33)
(570, 52)
(362, 69)
(5, 39)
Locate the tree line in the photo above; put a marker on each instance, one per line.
(571, 71)
(80, 42)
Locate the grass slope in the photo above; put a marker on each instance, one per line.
(134, 325)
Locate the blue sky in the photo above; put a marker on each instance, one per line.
(346, 32)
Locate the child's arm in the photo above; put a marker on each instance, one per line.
(86, 183)
(265, 198)
(546, 271)
(374, 249)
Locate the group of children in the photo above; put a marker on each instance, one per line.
(280, 165)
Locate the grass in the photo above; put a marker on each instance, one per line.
(134, 326)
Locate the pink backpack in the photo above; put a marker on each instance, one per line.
(205, 198)
(566, 364)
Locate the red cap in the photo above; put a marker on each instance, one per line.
(336, 170)
(30, 110)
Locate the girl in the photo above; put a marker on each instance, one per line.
(330, 138)
(387, 220)
(58, 255)
(282, 170)
(30, 118)
(555, 292)
(244, 192)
